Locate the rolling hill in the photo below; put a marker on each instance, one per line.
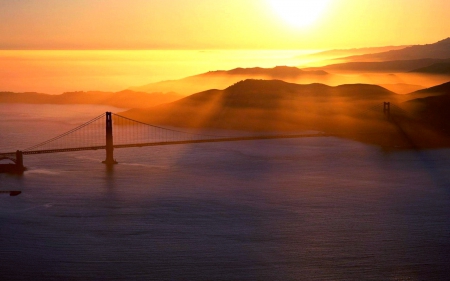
(269, 105)
(432, 107)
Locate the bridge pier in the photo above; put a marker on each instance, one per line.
(109, 141)
(17, 167)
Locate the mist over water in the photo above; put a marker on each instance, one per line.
(58, 71)
(297, 209)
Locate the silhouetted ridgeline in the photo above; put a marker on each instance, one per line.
(402, 88)
(123, 99)
(274, 105)
(278, 72)
(382, 66)
(351, 52)
(431, 106)
(441, 68)
(439, 90)
(352, 111)
(438, 50)
(223, 78)
(433, 111)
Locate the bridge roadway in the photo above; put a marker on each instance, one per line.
(266, 137)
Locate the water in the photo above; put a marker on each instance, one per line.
(296, 209)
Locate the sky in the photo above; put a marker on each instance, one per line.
(209, 25)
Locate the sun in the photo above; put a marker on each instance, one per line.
(300, 13)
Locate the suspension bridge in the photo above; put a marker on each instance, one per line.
(98, 134)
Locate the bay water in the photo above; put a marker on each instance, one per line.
(295, 209)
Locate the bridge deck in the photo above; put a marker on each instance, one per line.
(266, 137)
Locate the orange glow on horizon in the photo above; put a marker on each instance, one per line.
(232, 24)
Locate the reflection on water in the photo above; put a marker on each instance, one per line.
(297, 209)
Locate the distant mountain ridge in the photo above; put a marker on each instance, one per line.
(438, 50)
(381, 66)
(440, 68)
(338, 53)
(122, 99)
(421, 59)
(223, 78)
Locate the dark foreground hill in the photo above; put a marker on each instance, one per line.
(422, 120)
(439, 90)
(431, 106)
(431, 117)
(352, 111)
(263, 104)
(432, 110)
(123, 99)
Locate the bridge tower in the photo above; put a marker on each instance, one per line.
(387, 110)
(19, 160)
(109, 141)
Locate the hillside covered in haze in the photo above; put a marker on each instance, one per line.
(352, 111)
(274, 105)
(401, 69)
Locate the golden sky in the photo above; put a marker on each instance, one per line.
(207, 24)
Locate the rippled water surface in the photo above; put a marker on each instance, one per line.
(297, 209)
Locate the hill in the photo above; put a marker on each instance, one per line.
(438, 50)
(383, 66)
(278, 72)
(271, 105)
(439, 90)
(223, 78)
(338, 53)
(433, 110)
(441, 68)
(422, 121)
(28, 97)
(122, 99)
